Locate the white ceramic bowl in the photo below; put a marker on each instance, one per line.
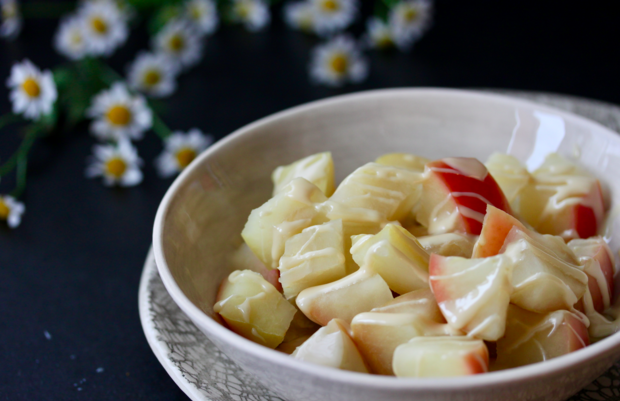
(199, 221)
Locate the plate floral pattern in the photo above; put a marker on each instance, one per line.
(206, 374)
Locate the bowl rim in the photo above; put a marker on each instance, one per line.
(535, 371)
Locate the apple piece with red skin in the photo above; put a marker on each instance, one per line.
(244, 259)
(532, 337)
(473, 294)
(495, 228)
(601, 277)
(563, 199)
(455, 195)
(441, 357)
(377, 334)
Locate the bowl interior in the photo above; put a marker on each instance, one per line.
(200, 220)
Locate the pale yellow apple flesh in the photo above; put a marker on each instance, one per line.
(449, 244)
(313, 257)
(318, 169)
(510, 175)
(333, 347)
(253, 308)
(441, 357)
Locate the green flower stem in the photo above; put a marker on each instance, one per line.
(159, 127)
(22, 167)
(22, 151)
(47, 9)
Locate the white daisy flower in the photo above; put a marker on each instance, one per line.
(10, 19)
(381, 35)
(253, 14)
(117, 164)
(409, 19)
(338, 61)
(69, 40)
(153, 74)
(203, 15)
(179, 42)
(119, 115)
(33, 92)
(300, 15)
(105, 27)
(11, 210)
(179, 151)
(331, 16)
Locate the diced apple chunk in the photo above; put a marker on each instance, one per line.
(456, 192)
(396, 255)
(404, 160)
(600, 271)
(253, 308)
(449, 244)
(313, 257)
(379, 193)
(532, 337)
(318, 169)
(473, 294)
(244, 259)
(563, 200)
(378, 334)
(421, 302)
(343, 299)
(495, 228)
(541, 281)
(510, 175)
(441, 357)
(332, 346)
(300, 329)
(281, 217)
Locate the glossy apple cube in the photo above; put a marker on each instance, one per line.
(281, 217)
(511, 176)
(377, 334)
(300, 329)
(473, 294)
(600, 271)
(441, 357)
(253, 308)
(333, 347)
(532, 337)
(318, 169)
(449, 244)
(421, 302)
(378, 192)
(244, 259)
(455, 195)
(343, 299)
(495, 228)
(396, 255)
(563, 200)
(404, 160)
(313, 257)
(541, 281)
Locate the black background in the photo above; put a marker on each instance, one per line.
(72, 268)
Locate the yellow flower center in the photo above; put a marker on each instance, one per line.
(116, 167)
(385, 41)
(330, 5)
(9, 10)
(176, 43)
(99, 25)
(243, 10)
(410, 14)
(119, 115)
(185, 156)
(152, 77)
(339, 63)
(76, 38)
(4, 210)
(31, 87)
(195, 12)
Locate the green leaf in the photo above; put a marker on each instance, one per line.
(163, 16)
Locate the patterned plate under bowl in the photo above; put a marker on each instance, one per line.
(204, 373)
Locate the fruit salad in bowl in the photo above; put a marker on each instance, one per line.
(419, 268)
(403, 244)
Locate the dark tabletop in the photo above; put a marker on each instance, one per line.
(69, 325)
